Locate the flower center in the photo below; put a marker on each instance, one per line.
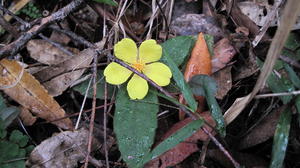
(138, 66)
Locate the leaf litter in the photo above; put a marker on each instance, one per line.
(228, 56)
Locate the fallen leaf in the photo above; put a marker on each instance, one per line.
(27, 117)
(263, 131)
(58, 78)
(199, 63)
(223, 53)
(248, 160)
(184, 149)
(65, 149)
(192, 24)
(27, 91)
(224, 81)
(46, 53)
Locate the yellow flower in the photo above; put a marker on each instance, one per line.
(143, 60)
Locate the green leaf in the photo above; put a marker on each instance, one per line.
(9, 114)
(134, 124)
(281, 137)
(291, 44)
(293, 76)
(178, 49)
(82, 87)
(2, 129)
(179, 79)
(297, 104)
(209, 39)
(17, 137)
(278, 85)
(108, 2)
(174, 139)
(203, 85)
(2, 103)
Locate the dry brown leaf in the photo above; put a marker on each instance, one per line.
(184, 149)
(248, 160)
(291, 11)
(65, 149)
(46, 53)
(58, 78)
(263, 131)
(224, 81)
(27, 117)
(223, 53)
(27, 91)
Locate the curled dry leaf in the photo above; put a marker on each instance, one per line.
(27, 91)
(58, 78)
(65, 149)
(183, 149)
(46, 53)
(223, 53)
(199, 63)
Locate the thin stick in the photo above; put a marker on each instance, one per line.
(105, 126)
(220, 146)
(277, 94)
(83, 103)
(14, 47)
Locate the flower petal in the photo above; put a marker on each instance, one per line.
(137, 87)
(159, 73)
(150, 51)
(126, 50)
(116, 74)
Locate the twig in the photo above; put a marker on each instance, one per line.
(91, 129)
(220, 146)
(105, 126)
(277, 94)
(83, 103)
(18, 44)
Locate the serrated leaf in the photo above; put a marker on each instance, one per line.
(178, 49)
(203, 85)
(179, 79)
(281, 137)
(108, 2)
(81, 88)
(17, 137)
(278, 85)
(174, 139)
(9, 114)
(134, 124)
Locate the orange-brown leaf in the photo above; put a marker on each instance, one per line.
(27, 91)
(199, 63)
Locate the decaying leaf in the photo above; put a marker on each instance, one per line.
(27, 117)
(199, 63)
(27, 91)
(224, 81)
(223, 53)
(64, 149)
(184, 149)
(263, 131)
(58, 78)
(46, 53)
(192, 24)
